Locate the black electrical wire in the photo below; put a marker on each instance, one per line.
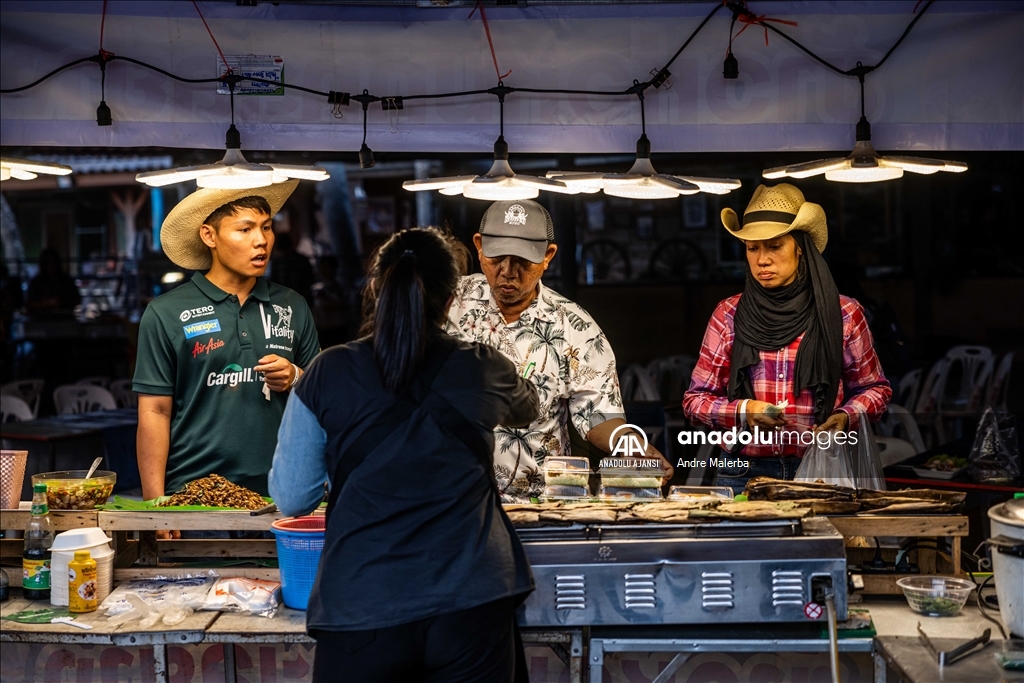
(984, 612)
(56, 71)
(637, 88)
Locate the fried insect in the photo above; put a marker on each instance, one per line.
(216, 491)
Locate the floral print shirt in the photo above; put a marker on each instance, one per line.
(559, 347)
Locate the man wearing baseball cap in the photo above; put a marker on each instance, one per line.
(218, 354)
(552, 341)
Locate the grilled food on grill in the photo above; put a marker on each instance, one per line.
(216, 491)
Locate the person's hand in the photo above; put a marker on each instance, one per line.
(666, 466)
(279, 372)
(167, 535)
(757, 417)
(838, 422)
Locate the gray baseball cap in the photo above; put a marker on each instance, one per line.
(517, 228)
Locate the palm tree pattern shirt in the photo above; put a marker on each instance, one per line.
(559, 347)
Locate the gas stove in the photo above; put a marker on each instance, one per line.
(701, 573)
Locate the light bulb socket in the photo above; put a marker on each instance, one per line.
(863, 130)
(643, 147)
(731, 68)
(233, 139)
(500, 148)
(103, 117)
(366, 157)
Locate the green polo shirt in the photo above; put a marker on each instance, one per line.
(199, 346)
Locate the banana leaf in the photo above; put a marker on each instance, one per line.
(125, 504)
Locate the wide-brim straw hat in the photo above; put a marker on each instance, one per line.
(775, 211)
(179, 235)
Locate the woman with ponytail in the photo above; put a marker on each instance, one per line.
(421, 571)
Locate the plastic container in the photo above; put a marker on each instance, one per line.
(63, 550)
(639, 481)
(81, 580)
(567, 471)
(300, 542)
(936, 596)
(566, 492)
(12, 477)
(630, 467)
(628, 493)
(70, 490)
(700, 493)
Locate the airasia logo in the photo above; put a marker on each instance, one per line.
(204, 349)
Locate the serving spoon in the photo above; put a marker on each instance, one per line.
(95, 464)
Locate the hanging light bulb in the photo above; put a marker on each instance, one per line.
(27, 169)
(500, 182)
(864, 164)
(641, 181)
(233, 172)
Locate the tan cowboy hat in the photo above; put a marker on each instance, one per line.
(775, 211)
(179, 235)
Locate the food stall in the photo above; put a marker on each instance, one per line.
(693, 574)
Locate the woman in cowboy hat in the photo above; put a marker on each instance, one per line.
(790, 336)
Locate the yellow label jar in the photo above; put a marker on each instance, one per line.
(82, 583)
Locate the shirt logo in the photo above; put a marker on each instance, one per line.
(232, 375)
(187, 315)
(201, 348)
(283, 328)
(516, 215)
(205, 327)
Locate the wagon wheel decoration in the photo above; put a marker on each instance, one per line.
(603, 261)
(678, 260)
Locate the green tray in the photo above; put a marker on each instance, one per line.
(127, 505)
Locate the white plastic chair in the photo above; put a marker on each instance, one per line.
(636, 384)
(28, 390)
(82, 398)
(97, 381)
(121, 390)
(671, 377)
(909, 388)
(976, 363)
(891, 448)
(929, 402)
(999, 387)
(13, 409)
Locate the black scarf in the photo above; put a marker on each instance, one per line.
(769, 319)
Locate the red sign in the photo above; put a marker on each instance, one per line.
(201, 348)
(812, 610)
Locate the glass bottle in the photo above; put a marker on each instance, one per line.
(38, 539)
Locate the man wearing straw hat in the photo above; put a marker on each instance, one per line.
(218, 354)
(790, 336)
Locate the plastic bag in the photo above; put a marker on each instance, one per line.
(166, 599)
(865, 458)
(248, 596)
(995, 456)
(827, 460)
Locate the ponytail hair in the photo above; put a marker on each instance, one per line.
(413, 275)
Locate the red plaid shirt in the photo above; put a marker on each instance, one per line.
(773, 378)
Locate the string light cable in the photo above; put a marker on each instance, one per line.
(498, 171)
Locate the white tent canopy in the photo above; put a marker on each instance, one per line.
(954, 84)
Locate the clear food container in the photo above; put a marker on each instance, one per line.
(70, 490)
(936, 596)
(627, 493)
(567, 471)
(631, 481)
(566, 492)
(630, 467)
(700, 493)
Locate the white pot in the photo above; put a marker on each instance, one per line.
(1008, 567)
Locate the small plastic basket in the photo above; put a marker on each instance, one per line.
(300, 540)
(12, 476)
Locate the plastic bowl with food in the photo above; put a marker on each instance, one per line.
(936, 596)
(70, 490)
